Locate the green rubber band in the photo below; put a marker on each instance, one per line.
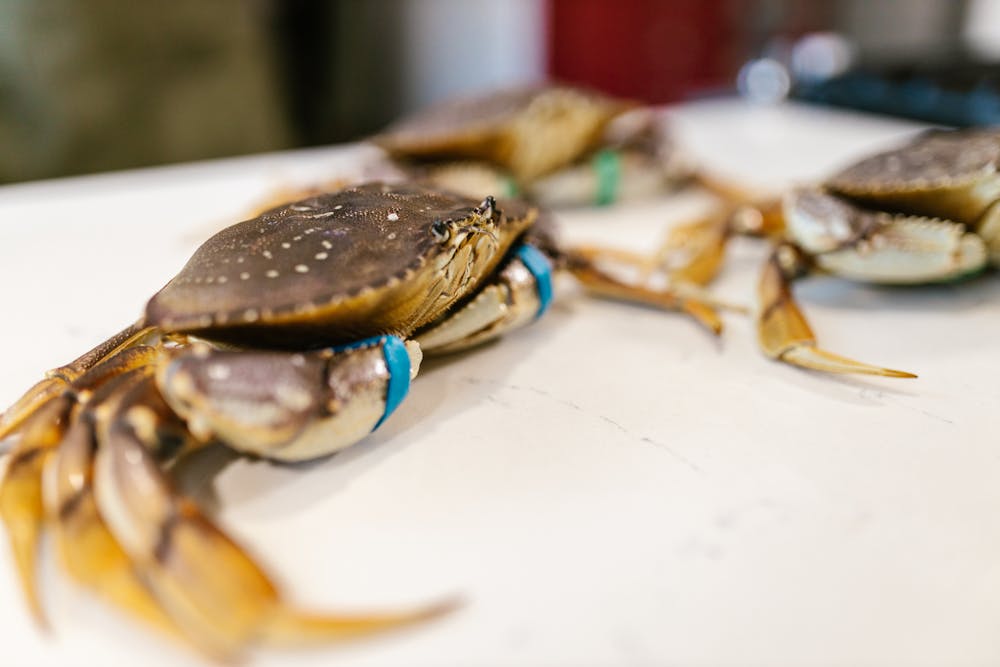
(607, 166)
(510, 188)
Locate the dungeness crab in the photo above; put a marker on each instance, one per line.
(555, 145)
(288, 336)
(928, 211)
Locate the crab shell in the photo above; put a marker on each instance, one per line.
(339, 267)
(529, 131)
(952, 175)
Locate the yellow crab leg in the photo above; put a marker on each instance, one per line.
(87, 550)
(41, 430)
(601, 283)
(782, 329)
(21, 506)
(58, 380)
(700, 246)
(214, 592)
(693, 252)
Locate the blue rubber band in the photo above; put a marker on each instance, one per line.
(397, 361)
(539, 267)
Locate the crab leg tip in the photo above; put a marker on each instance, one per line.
(899, 374)
(292, 627)
(24, 542)
(705, 315)
(817, 359)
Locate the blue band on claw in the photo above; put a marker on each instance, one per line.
(397, 361)
(540, 267)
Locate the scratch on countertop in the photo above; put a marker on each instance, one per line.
(870, 394)
(577, 408)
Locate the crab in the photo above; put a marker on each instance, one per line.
(288, 336)
(556, 145)
(927, 211)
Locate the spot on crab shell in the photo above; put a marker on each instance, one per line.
(301, 268)
(271, 273)
(392, 217)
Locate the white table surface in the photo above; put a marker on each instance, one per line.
(608, 486)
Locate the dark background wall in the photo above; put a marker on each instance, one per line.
(92, 85)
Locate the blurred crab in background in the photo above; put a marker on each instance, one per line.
(288, 336)
(554, 145)
(925, 212)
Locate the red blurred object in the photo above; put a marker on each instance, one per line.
(653, 50)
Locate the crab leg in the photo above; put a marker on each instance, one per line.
(598, 281)
(205, 582)
(21, 506)
(87, 549)
(57, 380)
(41, 430)
(782, 329)
(694, 252)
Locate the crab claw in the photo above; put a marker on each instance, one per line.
(782, 329)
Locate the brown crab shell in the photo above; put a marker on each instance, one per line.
(338, 267)
(529, 131)
(945, 174)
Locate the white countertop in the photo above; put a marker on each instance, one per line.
(608, 486)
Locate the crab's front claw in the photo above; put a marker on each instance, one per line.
(288, 406)
(782, 329)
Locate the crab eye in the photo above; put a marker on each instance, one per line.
(487, 208)
(440, 230)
